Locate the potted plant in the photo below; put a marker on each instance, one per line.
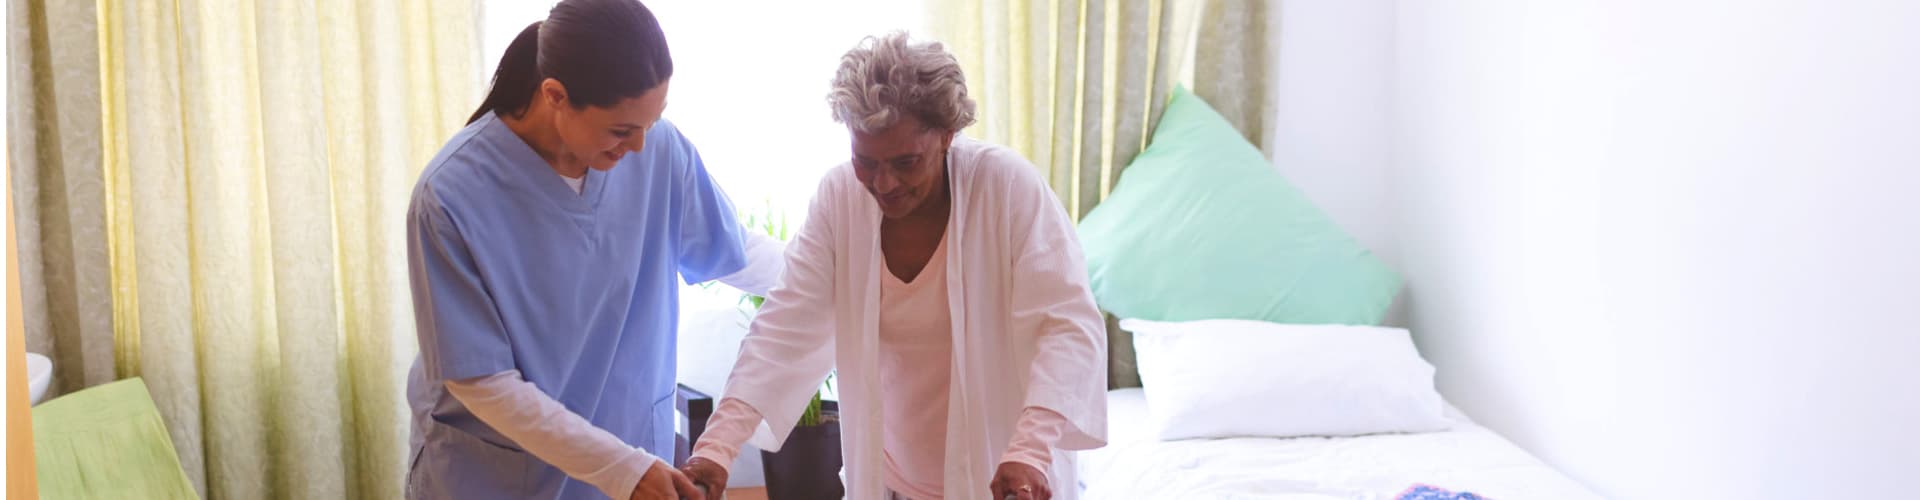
(808, 464)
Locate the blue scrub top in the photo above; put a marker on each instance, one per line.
(513, 270)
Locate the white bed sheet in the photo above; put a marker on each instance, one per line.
(1135, 465)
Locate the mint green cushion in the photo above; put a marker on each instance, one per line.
(1201, 226)
(106, 442)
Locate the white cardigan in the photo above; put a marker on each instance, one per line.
(1027, 332)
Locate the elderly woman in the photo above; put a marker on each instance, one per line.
(942, 279)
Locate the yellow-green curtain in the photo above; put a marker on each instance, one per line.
(258, 157)
(1077, 85)
(53, 90)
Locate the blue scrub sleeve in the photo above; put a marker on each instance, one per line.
(460, 331)
(710, 242)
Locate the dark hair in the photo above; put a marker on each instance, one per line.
(603, 51)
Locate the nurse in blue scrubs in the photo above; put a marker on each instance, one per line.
(544, 245)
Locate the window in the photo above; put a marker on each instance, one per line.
(749, 88)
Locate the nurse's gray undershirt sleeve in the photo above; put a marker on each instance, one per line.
(547, 429)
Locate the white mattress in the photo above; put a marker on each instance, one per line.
(1468, 458)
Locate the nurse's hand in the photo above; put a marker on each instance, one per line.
(663, 483)
(705, 473)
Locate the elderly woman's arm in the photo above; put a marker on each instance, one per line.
(786, 354)
(1066, 387)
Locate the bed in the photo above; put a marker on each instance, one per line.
(1467, 458)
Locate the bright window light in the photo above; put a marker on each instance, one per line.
(749, 89)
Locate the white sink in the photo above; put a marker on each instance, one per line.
(39, 376)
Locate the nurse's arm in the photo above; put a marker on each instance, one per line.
(541, 425)
(765, 261)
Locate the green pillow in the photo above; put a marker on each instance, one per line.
(1201, 226)
(106, 442)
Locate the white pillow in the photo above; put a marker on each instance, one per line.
(1234, 378)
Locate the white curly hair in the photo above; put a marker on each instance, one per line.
(890, 76)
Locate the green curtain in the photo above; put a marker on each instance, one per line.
(1076, 85)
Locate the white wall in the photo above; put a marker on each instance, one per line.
(1333, 99)
(1672, 247)
(1334, 107)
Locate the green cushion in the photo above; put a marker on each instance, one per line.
(106, 442)
(1201, 226)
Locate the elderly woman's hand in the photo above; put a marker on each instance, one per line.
(662, 482)
(1020, 481)
(708, 475)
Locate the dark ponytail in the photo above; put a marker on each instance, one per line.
(602, 51)
(517, 78)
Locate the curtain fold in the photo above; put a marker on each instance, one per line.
(256, 156)
(1076, 86)
(53, 88)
